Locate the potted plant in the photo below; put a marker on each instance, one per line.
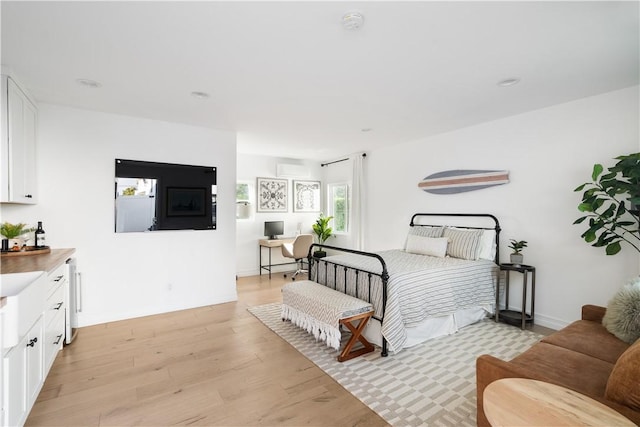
(13, 232)
(611, 203)
(323, 232)
(517, 246)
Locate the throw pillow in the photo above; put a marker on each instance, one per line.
(487, 249)
(463, 243)
(623, 385)
(426, 231)
(622, 317)
(432, 246)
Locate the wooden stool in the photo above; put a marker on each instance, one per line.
(321, 311)
(356, 335)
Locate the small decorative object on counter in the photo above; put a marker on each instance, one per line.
(41, 241)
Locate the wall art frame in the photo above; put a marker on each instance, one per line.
(306, 196)
(272, 195)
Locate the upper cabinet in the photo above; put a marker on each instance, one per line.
(18, 153)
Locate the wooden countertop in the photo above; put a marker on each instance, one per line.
(44, 262)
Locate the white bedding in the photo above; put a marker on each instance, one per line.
(420, 287)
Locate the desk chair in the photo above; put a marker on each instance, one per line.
(298, 250)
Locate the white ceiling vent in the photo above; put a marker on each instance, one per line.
(284, 170)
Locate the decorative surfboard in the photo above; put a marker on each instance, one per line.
(462, 180)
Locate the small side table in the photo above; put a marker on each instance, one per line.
(511, 316)
(525, 402)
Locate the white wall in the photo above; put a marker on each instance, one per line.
(249, 231)
(548, 152)
(132, 274)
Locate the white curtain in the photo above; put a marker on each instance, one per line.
(358, 197)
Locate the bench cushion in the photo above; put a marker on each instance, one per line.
(319, 309)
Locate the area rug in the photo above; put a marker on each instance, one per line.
(430, 384)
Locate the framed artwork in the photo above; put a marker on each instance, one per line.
(306, 196)
(272, 195)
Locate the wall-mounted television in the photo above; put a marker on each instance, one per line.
(152, 196)
(273, 229)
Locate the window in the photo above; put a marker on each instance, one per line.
(242, 192)
(338, 206)
(243, 201)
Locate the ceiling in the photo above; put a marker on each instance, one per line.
(292, 82)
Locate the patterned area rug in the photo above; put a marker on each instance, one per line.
(430, 384)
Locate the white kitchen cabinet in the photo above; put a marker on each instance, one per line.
(41, 332)
(23, 375)
(18, 152)
(54, 316)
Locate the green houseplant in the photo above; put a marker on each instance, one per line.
(13, 232)
(610, 203)
(517, 246)
(323, 232)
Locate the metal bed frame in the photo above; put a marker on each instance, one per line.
(331, 268)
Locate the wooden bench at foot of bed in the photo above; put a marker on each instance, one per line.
(321, 311)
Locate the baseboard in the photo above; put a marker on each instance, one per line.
(87, 319)
(550, 322)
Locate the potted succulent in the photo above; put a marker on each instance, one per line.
(517, 246)
(323, 232)
(611, 204)
(13, 232)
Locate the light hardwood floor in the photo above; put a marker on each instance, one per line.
(214, 365)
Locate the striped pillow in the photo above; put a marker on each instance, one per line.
(463, 244)
(426, 231)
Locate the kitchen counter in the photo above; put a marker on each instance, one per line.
(44, 262)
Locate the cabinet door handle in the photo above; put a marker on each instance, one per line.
(28, 196)
(59, 305)
(79, 299)
(33, 342)
(57, 279)
(58, 340)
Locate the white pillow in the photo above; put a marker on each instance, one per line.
(424, 231)
(487, 249)
(432, 246)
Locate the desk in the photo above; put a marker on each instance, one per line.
(525, 402)
(270, 244)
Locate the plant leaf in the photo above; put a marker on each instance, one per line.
(597, 170)
(580, 220)
(613, 248)
(589, 236)
(585, 207)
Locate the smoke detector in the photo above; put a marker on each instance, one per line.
(352, 20)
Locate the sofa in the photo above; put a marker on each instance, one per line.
(583, 357)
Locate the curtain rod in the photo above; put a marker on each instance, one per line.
(338, 161)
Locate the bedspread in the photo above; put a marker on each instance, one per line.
(419, 287)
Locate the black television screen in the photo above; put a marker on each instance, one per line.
(273, 229)
(154, 196)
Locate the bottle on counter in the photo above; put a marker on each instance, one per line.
(40, 236)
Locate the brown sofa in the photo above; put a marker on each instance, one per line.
(584, 357)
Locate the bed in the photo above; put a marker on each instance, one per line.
(443, 279)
